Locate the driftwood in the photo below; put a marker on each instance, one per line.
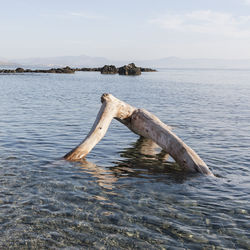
(144, 124)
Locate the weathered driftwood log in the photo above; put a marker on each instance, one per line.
(144, 124)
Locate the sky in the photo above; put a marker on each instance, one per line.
(125, 30)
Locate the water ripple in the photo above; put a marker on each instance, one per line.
(128, 194)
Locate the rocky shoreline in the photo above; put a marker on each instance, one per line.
(129, 69)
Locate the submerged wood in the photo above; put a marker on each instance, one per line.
(144, 124)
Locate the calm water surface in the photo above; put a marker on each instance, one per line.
(126, 194)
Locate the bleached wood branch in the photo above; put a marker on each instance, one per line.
(144, 124)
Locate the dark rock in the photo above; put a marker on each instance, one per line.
(9, 71)
(65, 70)
(28, 71)
(84, 69)
(59, 71)
(87, 69)
(19, 70)
(129, 69)
(109, 69)
(52, 71)
(68, 70)
(148, 70)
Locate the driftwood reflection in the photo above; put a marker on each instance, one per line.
(148, 148)
(104, 176)
(144, 159)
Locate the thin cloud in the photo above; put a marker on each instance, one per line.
(206, 22)
(73, 15)
(86, 15)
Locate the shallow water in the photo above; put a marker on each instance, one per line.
(126, 194)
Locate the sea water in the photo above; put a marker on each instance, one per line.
(124, 196)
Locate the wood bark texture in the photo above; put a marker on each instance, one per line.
(143, 123)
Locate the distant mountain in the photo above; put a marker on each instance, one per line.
(61, 61)
(4, 63)
(88, 61)
(175, 62)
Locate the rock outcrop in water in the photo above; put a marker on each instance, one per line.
(87, 69)
(148, 70)
(109, 69)
(65, 70)
(129, 69)
(20, 70)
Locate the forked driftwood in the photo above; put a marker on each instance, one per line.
(143, 123)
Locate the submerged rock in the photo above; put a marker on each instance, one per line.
(129, 69)
(109, 69)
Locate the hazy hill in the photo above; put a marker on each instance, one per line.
(61, 61)
(175, 62)
(4, 62)
(88, 61)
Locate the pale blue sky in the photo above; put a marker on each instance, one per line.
(126, 30)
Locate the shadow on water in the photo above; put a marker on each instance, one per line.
(142, 160)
